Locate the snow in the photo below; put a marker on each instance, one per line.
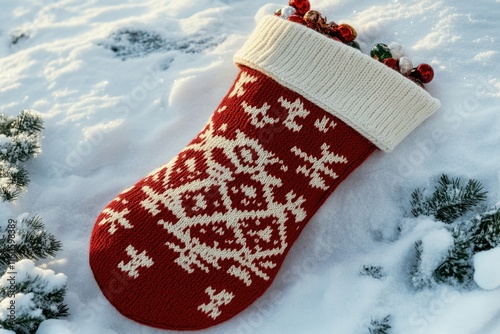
(26, 269)
(487, 269)
(4, 331)
(4, 140)
(435, 247)
(24, 304)
(54, 326)
(109, 122)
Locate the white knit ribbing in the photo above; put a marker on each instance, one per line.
(373, 99)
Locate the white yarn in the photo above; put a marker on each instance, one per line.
(373, 99)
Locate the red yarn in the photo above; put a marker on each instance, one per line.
(202, 237)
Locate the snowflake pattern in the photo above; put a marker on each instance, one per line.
(249, 158)
(206, 183)
(259, 116)
(319, 166)
(239, 87)
(137, 261)
(325, 124)
(295, 110)
(235, 198)
(212, 309)
(115, 218)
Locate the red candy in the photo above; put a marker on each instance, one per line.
(296, 19)
(316, 21)
(299, 11)
(392, 63)
(424, 73)
(347, 33)
(302, 6)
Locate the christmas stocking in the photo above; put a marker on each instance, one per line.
(200, 238)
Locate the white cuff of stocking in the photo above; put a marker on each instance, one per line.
(379, 103)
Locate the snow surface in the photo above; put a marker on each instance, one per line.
(26, 269)
(108, 122)
(24, 303)
(487, 269)
(54, 326)
(4, 331)
(435, 246)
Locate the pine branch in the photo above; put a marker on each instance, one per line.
(51, 302)
(28, 122)
(59, 311)
(33, 243)
(449, 201)
(376, 272)
(420, 206)
(46, 301)
(487, 236)
(418, 279)
(457, 269)
(12, 180)
(24, 324)
(19, 142)
(19, 147)
(4, 123)
(380, 326)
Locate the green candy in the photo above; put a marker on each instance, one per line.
(380, 52)
(354, 44)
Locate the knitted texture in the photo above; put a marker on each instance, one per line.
(379, 103)
(200, 238)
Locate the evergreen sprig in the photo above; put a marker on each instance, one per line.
(487, 234)
(457, 268)
(19, 142)
(419, 279)
(380, 326)
(376, 272)
(25, 324)
(449, 201)
(32, 242)
(50, 301)
(46, 297)
(13, 179)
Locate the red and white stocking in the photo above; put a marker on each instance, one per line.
(200, 238)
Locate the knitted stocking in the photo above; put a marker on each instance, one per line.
(200, 238)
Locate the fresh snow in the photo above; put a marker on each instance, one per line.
(26, 269)
(487, 269)
(109, 121)
(435, 246)
(27, 304)
(4, 331)
(54, 326)
(24, 303)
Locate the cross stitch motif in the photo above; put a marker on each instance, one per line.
(138, 261)
(212, 309)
